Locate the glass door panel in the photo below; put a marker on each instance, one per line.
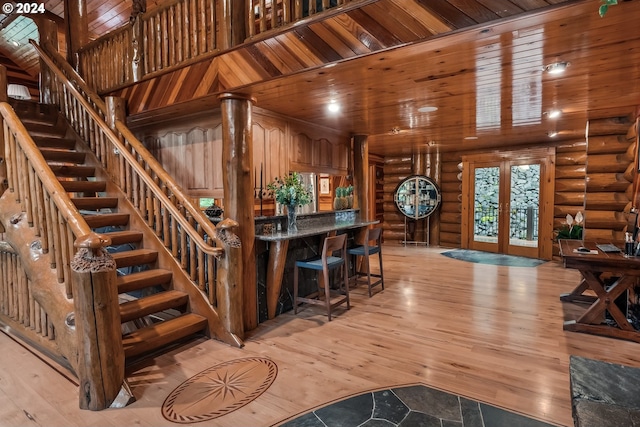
(486, 208)
(524, 202)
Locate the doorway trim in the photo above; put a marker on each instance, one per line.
(547, 187)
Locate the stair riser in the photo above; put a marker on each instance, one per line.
(84, 186)
(73, 171)
(137, 260)
(160, 278)
(64, 156)
(95, 203)
(133, 348)
(137, 309)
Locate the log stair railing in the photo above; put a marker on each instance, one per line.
(210, 256)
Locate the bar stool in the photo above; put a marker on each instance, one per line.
(371, 235)
(327, 297)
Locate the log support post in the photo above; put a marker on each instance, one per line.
(237, 164)
(48, 32)
(116, 111)
(361, 175)
(435, 173)
(137, 50)
(97, 320)
(3, 165)
(229, 278)
(76, 29)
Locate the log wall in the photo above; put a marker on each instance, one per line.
(450, 211)
(610, 171)
(395, 170)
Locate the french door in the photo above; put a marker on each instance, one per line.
(507, 203)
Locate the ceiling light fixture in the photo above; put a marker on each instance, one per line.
(395, 130)
(552, 134)
(469, 138)
(333, 106)
(556, 67)
(427, 109)
(15, 43)
(554, 114)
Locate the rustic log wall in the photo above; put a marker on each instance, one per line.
(450, 211)
(395, 170)
(571, 159)
(610, 171)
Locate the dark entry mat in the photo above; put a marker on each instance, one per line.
(491, 258)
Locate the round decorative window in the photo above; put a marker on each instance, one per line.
(417, 197)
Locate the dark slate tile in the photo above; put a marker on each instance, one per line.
(418, 419)
(449, 423)
(306, 420)
(430, 401)
(496, 417)
(588, 413)
(350, 412)
(379, 423)
(605, 382)
(387, 406)
(471, 416)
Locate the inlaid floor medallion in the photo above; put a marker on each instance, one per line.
(219, 390)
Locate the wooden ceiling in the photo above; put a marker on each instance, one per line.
(480, 62)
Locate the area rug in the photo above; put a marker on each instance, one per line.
(408, 406)
(491, 258)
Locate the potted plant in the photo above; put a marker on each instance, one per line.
(290, 191)
(571, 229)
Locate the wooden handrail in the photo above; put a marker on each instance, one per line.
(104, 37)
(69, 212)
(149, 159)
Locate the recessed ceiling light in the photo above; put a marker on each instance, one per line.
(552, 134)
(470, 137)
(395, 130)
(556, 67)
(554, 114)
(333, 106)
(427, 109)
(15, 43)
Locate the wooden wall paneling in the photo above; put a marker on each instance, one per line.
(300, 152)
(451, 208)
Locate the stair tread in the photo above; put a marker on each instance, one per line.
(155, 303)
(134, 257)
(75, 171)
(95, 203)
(143, 279)
(124, 236)
(106, 219)
(54, 142)
(54, 155)
(83, 186)
(162, 333)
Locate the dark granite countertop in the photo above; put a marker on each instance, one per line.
(313, 230)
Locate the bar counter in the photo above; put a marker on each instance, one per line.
(277, 252)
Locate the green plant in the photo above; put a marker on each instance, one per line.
(605, 6)
(571, 229)
(290, 190)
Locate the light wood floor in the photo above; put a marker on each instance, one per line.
(489, 333)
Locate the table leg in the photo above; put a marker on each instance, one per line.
(576, 294)
(275, 272)
(606, 301)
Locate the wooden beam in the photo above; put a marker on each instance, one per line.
(361, 174)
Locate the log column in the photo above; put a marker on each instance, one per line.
(435, 173)
(116, 111)
(237, 164)
(48, 32)
(76, 28)
(3, 165)
(361, 175)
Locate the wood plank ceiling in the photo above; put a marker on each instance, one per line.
(480, 62)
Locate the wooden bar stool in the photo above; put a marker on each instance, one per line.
(327, 297)
(372, 244)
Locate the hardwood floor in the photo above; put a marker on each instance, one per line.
(493, 334)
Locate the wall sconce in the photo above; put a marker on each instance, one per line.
(18, 92)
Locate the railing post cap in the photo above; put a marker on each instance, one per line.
(92, 241)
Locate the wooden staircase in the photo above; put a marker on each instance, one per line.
(159, 315)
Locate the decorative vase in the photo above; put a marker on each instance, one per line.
(292, 219)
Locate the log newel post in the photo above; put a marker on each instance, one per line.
(116, 111)
(229, 278)
(3, 166)
(361, 175)
(48, 33)
(237, 164)
(97, 322)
